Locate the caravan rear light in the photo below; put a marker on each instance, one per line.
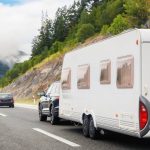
(143, 116)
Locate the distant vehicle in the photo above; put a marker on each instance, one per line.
(106, 86)
(6, 99)
(49, 103)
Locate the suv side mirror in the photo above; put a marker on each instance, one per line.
(41, 93)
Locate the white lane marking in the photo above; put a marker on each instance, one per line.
(3, 115)
(57, 137)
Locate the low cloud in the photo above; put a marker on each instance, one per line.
(20, 23)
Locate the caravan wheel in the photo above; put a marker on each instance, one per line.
(93, 133)
(86, 126)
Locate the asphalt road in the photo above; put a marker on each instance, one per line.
(20, 129)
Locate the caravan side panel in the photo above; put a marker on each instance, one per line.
(112, 107)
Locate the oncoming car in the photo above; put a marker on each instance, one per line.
(6, 99)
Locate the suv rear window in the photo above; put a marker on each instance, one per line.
(55, 88)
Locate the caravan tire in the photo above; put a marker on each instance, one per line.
(86, 126)
(93, 133)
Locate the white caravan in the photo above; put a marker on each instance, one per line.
(106, 85)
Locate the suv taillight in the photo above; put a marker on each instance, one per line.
(57, 97)
(143, 115)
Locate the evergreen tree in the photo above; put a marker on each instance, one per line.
(44, 40)
(74, 14)
(61, 24)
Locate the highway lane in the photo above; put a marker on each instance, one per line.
(17, 132)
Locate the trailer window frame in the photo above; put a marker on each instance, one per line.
(125, 76)
(105, 71)
(83, 76)
(66, 79)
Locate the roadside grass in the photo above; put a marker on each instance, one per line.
(46, 60)
(26, 101)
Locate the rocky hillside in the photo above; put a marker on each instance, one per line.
(36, 80)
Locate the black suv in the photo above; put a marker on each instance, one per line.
(49, 103)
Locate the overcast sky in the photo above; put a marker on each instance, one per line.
(20, 21)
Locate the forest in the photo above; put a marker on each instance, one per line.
(73, 25)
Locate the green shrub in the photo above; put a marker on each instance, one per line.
(118, 25)
(57, 46)
(85, 31)
(105, 29)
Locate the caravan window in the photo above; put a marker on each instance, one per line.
(125, 72)
(105, 76)
(83, 77)
(66, 79)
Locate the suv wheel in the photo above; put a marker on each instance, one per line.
(54, 119)
(41, 116)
